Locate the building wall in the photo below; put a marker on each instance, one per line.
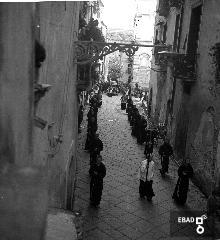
(143, 20)
(58, 30)
(23, 187)
(16, 80)
(192, 127)
(202, 140)
(124, 61)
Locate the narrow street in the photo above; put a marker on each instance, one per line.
(122, 215)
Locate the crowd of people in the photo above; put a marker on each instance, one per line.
(94, 146)
(150, 136)
(145, 134)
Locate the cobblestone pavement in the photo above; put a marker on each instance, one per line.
(122, 215)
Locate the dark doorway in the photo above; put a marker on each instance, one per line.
(181, 131)
(194, 32)
(176, 33)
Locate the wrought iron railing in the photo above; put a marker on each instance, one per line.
(159, 59)
(176, 3)
(185, 67)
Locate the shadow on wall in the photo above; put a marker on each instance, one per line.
(24, 192)
(7, 149)
(203, 151)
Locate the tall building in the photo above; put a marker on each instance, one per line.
(184, 84)
(38, 110)
(143, 34)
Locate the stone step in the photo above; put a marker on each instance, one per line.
(61, 225)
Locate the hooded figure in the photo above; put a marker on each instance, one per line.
(145, 175)
(98, 172)
(165, 152)
(185, 172)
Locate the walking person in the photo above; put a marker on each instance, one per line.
(146, 173)
(123, 102)
(91, 131)
(148, 149)
(80, 118)
(185, 172)
(165, 152)
(96, 146)
(98, 172)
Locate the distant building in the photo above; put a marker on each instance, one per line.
(143, 34)
(121, 36)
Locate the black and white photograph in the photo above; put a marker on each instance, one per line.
(110, 120)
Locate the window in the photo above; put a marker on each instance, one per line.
(156, 37)
(165, 33)
(176, 33)
(194, 32)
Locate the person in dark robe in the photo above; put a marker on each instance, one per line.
(80, 118)
(91, 113)
(148, 149)
(89, 139)
(148, 136)
(141, 130)
(134, 114)
(99, 98)
(94, 103)
(185, 172)
(138, 128)
(98, 172)
(146, 173)
(129, 105)
(123, 102)
(91, 131)
(96, 146)
(165, 151)
(144, 126)
(92, 120)
(129, 111)
(136, 123)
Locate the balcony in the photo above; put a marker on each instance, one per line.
(163, 8)
(87, 75)
(176, 3)
(185, 68)
(160, 59)
(83, 77)
(184, 65)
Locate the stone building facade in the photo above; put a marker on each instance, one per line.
(184, 84)
(143, 34)
(56, 143)
(38, 114)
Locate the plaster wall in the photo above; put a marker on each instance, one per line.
(202, 128)
(23, 187)
(16, 85)
(58, 31)
(202, 141)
